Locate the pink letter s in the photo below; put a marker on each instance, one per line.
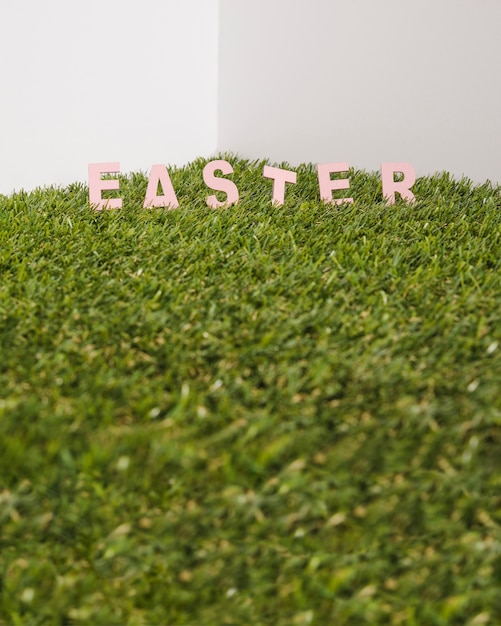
(220, 184)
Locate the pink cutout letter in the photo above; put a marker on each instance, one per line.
(97, 185)
(390, 185)
(159, 174)
(327, 185)
(280, 177)
(220, 184)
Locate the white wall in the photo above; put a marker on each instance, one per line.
(299, 80)
(104, 80)
(363, 81)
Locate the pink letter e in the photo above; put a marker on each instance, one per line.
(97, 185)
(327, 185)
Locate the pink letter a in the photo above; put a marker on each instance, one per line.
(159, 174)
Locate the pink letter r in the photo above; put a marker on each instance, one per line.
(390, 185)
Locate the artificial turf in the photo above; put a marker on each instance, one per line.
(251, 415)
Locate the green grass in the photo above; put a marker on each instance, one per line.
(254, 415)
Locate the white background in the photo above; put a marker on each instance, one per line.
(104, 80)
(364, 81)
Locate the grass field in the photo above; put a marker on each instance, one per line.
(254, 415)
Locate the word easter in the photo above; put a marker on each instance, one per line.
(280, 177)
